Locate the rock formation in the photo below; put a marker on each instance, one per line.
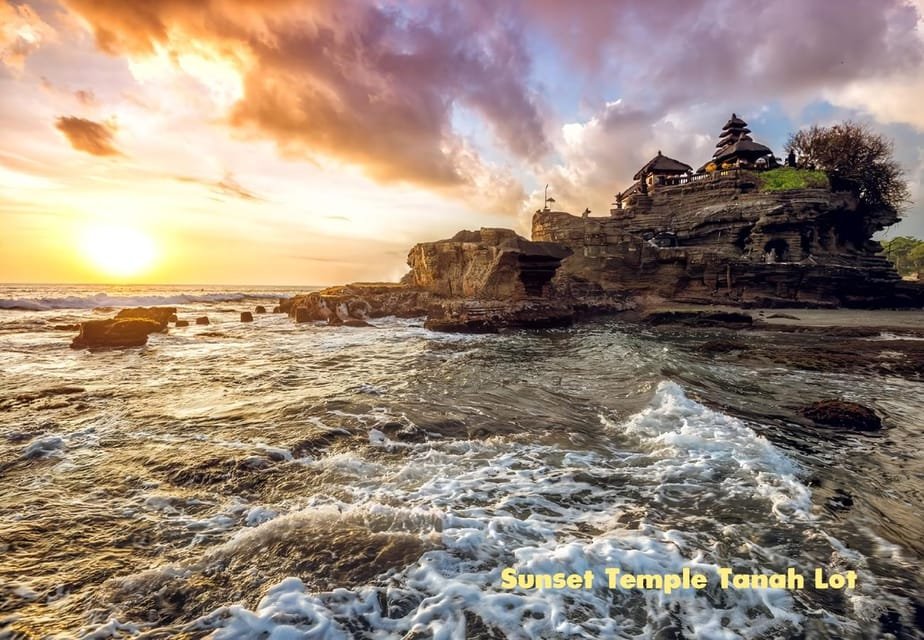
(475, 281)
(160, 315)
(723, 240)
(116, 332)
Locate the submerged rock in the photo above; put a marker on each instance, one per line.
(352, 322)
(842, 414)
(259, 309)
(699, 318)
(130, 332)
(181, 323)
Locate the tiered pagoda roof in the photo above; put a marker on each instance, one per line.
(735, 143)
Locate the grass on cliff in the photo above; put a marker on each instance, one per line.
(786, 178)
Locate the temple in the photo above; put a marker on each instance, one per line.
(735, 151)
(736, 148)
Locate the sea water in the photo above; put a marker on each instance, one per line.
(282, 480)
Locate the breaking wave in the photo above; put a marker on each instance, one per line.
(106, 300)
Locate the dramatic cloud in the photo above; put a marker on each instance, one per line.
(22, 31)
(88, 136)
(367, 85)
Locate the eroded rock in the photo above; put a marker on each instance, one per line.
(117, 332)
(160, 315)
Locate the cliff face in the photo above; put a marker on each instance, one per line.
(726, 242)
(489, 264)
(476, 281)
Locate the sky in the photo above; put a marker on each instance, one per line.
(306, 143)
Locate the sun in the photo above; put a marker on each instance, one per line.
(118, 251)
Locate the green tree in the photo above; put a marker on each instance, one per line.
(907, 254)
(853, 152)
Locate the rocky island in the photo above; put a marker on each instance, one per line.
(731, 233)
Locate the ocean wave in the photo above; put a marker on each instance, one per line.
(105, 300)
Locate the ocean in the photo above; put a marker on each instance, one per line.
(282, 480)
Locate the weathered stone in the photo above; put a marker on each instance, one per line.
(246, 316)
(260, 309)
(361, 301)
(722, 241)
(838, 413)
(202, 320)
(116, 332)
(182, 323)
(489, 264)
(160, 315)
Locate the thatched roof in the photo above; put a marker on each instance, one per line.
(662, 164)
(734, 122)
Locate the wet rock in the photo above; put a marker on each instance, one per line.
(334, 321)
(842, 414)
(160, 315)
(277, 309)
(172, 318)
(361, 301)
(259, 309)
(285, 304)
(491, 316)
(353, 322)
(132, 332)
(782, 316)
(66, 327)
(202, 320)
(698, 318)
(181, 323)
(246, 316)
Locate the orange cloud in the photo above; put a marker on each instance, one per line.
(88, 136)
(22, 31)
(367, 85)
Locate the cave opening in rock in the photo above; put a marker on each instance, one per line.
(536, 272)
(777, 250)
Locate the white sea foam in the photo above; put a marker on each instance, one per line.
(540, 509)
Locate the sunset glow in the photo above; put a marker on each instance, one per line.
(118, 251)
(314, 143)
